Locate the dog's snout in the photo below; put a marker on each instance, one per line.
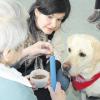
(66, 66)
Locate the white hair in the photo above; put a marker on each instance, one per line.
(13, 24)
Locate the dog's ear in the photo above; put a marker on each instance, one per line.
(96, 47)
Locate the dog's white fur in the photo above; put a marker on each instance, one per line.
(84, 59)
(13, 29)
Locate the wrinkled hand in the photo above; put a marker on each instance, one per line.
(58, 94)
(39, 48)
(44, 47)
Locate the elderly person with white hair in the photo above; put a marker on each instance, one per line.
(13, 39)
(15, 43)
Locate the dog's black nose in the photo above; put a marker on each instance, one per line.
(66, 67)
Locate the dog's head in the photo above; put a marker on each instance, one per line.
(83, 54)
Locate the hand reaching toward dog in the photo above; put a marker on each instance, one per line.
(38, 48)
(11, 56)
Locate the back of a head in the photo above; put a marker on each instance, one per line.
(13, 24)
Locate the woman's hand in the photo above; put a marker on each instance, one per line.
(58, 94)
(38, 48)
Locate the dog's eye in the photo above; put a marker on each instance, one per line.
(69, 49)
(81, 54)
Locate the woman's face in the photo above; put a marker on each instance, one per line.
(48, 23)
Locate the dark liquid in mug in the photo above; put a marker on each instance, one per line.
(39, 76)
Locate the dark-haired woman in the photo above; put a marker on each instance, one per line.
(46, 17)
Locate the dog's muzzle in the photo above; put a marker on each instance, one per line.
(66, 67)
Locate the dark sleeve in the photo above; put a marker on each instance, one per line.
(24, 66)
(97, 4)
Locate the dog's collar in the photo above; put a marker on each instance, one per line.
(80, 83)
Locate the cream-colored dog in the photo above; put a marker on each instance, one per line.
(83, 63)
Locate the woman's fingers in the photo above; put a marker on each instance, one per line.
(58, 86)
(58, 94)
(46, 48)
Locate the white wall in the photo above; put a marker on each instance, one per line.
(27, 3)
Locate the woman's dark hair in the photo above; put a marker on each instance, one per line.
(48, 7)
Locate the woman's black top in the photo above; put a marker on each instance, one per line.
(42, 94)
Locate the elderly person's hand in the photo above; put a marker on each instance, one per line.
(58, 94)
(12, 56)
(38, 48)
(34, 85)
